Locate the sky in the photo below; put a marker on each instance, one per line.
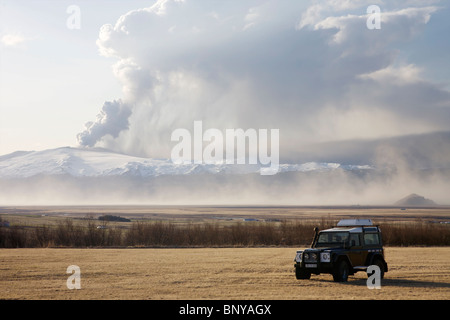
(123, 75)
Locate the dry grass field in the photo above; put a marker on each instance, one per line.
(227, 273)
(417, 273)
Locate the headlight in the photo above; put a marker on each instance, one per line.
(325, 257)
(310, 257)
(298, 256)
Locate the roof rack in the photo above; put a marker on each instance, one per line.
(355, 223)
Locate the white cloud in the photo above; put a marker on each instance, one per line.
(12, 40)
(321, 10)
(396, 25)
(253, 64)
(395, 75)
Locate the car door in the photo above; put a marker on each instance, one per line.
(355, 251)
(372, 243)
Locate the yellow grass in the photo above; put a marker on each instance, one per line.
(210, 274)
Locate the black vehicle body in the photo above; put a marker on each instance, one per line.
(350, 247)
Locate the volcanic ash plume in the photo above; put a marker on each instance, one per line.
(314, 72)
(112, 119)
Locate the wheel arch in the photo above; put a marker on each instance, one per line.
(340, 257)
(374, 256)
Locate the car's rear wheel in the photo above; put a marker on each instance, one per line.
(340, 274)
(379, 263)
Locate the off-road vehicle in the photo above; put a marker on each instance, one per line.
(351, 246)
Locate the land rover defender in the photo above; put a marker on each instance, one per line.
(351, 246)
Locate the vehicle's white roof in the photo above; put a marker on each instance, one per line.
(341, 229)
(354, 222)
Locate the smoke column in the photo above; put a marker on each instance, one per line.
(112, 119)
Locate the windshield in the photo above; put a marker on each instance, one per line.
(332, 239)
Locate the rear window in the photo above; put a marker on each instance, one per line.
(371, 239)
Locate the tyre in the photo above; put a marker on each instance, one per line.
(378, 262)
(302, 274)
(341, 272)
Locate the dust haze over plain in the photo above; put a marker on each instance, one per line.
(337, 91)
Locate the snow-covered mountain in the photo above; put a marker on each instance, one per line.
(78, 176)
(80, 162)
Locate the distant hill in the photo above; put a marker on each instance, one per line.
(415, 200)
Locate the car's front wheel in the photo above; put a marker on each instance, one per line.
(301, 274)
(341, 272)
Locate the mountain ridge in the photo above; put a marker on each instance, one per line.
(96, 162)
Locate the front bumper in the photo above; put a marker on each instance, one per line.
(316, 267)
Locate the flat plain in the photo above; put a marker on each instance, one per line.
(241, 273)
(211, 273)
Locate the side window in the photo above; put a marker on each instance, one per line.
(371, 239)
(354, 240)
